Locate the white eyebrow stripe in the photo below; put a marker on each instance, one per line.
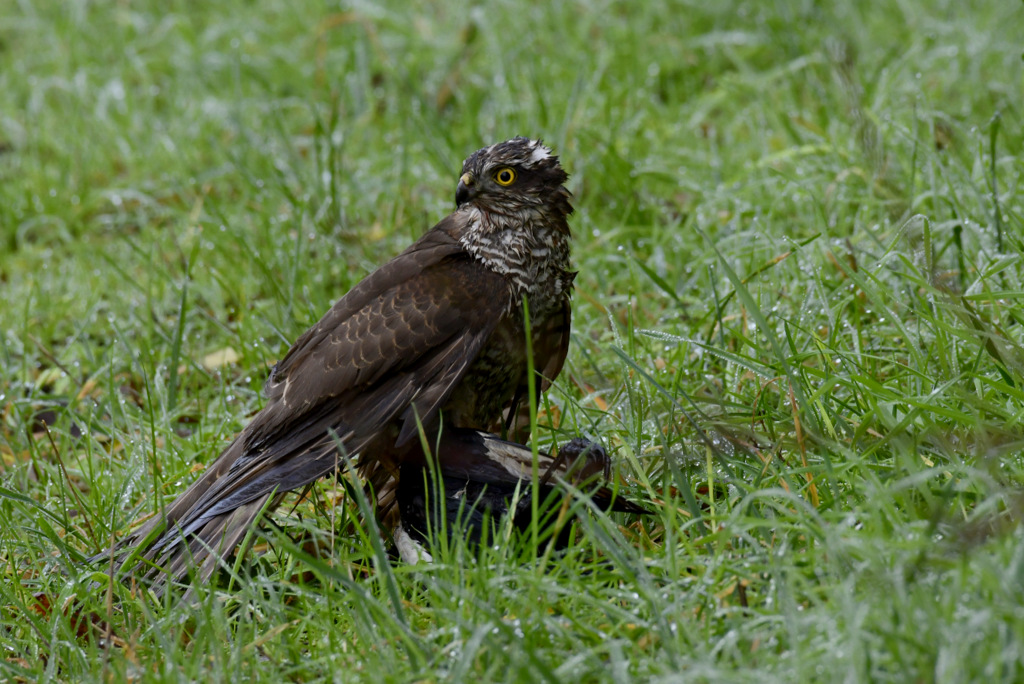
(540, 153)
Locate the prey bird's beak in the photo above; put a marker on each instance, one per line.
(465, 190)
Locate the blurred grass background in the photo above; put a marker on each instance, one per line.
(797, 324)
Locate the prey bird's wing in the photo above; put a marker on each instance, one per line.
(467, 455)
(480, 476)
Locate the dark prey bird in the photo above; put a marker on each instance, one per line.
(479, 480)
(435, 336)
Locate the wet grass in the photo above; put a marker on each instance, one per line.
(797, 324)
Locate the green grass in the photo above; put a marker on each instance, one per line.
(798, 323)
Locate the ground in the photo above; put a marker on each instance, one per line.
(797, 328)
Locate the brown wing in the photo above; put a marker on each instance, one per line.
(389, 351)
(395, 358)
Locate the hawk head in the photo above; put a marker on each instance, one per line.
(514, 178)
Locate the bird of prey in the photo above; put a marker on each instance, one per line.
(433, 338)
(479, 480)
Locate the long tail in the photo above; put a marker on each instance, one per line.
(158, 550)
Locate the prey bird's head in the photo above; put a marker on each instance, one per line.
(516, 177)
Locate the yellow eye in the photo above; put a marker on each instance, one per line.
(505, 176)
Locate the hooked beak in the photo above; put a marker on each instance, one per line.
(465, 190)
